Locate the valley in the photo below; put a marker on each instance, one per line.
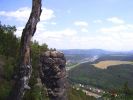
(104, 71)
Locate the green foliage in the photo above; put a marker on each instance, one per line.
(36, 93)
(9, 68)
(5, 88)
(6, 78)
(8, 41)
(123, 93)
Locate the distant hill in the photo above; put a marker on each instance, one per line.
(121, 57)
(74, 56)
(112, 77)
(85, 51)
(94, 52)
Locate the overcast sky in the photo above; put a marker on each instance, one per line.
(76, 24)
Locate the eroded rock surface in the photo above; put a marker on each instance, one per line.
(53, 74)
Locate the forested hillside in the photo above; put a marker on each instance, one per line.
(9, 48)
(112, 77)
(107, 73)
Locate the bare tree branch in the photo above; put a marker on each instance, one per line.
(25, 67)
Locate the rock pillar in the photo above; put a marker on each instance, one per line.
(53, 74)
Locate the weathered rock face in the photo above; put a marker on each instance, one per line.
(53, 74)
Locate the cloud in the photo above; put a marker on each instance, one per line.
(81, 23)
(55, 39)
(84, 42)
(117, 29)
(70, 39)
(117, 37)
(114, 29)
(19, 31)
(121, 36)
(22, 14)
(115, 20)
(47, 14)
(101, 42)
(117, 41)
(98, 21)
(42, 34)
(53, 23)
(120, 31)
(84, 30)
(56, 34)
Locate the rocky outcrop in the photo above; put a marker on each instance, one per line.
(53, 74)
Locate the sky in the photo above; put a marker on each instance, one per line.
(76, 24)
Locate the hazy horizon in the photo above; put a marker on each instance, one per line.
(99, 49)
